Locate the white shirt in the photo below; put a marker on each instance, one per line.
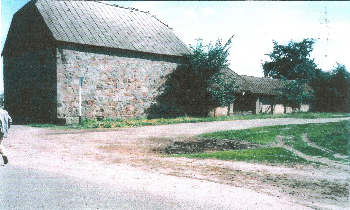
(5, 119)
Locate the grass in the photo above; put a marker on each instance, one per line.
(334, 137)
(260, 135)
(122, 123)
(270, 155)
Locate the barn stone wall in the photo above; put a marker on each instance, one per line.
(116, 84)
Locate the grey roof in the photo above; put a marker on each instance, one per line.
(262, 85)
(256, 85)
(239, 81)
(99, 24)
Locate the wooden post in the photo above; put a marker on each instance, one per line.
(272, 105)
(81, 79)
(257, 104)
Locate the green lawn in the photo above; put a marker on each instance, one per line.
(332, 136)
(260, 135)
(270, 155)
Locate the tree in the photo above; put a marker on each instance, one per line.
(332, 90)
(222, 89)
(197, 85)
(341, 83)
(291, 61)
(293, 94)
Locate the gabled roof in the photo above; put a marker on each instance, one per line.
(262, 85)
(98, 24)
(256, 85)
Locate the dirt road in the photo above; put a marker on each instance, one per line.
(123, 160)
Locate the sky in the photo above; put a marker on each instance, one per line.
(254, 25)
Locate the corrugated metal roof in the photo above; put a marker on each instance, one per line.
(99, 24)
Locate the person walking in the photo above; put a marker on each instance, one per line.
(5, 121)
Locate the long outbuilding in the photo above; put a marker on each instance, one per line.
(256, 95)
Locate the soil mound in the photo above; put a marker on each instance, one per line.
(200, 145)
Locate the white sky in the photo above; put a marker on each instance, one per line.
(254, 24)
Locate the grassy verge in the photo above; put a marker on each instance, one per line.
(270, 155)
(121, 123)
(334, 137)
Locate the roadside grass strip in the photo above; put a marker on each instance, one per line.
(261, 155)
(143, 121)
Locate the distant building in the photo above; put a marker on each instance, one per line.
(256, 95)
(122, 53)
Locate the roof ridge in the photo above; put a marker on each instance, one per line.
(134, 9)
(122, 7)
(259, 77)
(123, 28)
(161, 22)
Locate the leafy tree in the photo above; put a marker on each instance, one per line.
(291, 61)
(332, 90)
(293, 94)
(341, 83)
(196, 86)
(222, 89)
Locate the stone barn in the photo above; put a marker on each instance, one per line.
(123, 55)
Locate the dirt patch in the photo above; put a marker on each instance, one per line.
(200, 145)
